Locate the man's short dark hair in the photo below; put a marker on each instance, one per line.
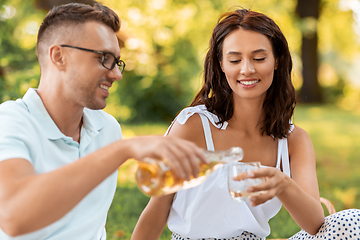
(72, 14)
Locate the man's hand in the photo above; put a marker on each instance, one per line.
(182, 156)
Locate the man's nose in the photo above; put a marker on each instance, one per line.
(115, 74)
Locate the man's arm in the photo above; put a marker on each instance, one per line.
(30, 201)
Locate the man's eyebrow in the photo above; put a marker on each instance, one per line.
(239, 53)
(117, 57)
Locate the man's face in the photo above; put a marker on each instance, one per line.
(86, 81)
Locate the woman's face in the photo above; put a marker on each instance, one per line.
(248, 63)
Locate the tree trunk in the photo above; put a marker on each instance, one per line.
(308, 11)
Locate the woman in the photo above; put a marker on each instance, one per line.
(247, 100)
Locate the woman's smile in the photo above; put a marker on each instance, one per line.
(249, 82)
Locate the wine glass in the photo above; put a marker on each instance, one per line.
(238, 187)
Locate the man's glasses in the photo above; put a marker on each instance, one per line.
(108, 59)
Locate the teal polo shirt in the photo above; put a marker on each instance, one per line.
(27, 131)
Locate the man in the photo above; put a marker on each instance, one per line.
(59, 152)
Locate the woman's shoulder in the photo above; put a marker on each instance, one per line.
(192, 130)
(297, 133)
(202, 111)
(298, 138)
(188, 125)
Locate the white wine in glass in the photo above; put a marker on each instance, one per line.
(238, 187)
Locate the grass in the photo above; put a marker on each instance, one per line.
(335, 134)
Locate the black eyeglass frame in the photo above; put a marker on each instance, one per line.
(118, 62)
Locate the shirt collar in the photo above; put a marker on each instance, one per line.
(91, 119)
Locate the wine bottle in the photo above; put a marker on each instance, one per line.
(154, 177)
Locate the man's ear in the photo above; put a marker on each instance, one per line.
(57, 57)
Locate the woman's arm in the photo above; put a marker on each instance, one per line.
(298, 194)
(153, 219)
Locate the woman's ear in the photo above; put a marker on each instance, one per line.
(276, 64)
(57, 57)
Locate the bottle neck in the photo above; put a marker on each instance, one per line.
(233, 154)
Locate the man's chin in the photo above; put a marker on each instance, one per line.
(98, 106)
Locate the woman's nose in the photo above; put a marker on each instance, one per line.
(247, 68)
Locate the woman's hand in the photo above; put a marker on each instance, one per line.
(275, 183)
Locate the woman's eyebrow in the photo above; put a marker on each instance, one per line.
(259, 50)
(239, 53)
(233, 53)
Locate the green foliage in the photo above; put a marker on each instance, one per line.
(19, 22)
(2, 85)
(162, 50)
(332, 94)
(158, 98)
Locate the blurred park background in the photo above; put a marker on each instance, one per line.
(163, 43)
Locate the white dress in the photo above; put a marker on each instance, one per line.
(208, 211)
